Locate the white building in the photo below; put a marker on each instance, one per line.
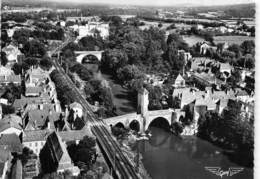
(35, 140)
(77, 109)
(11, 124)
(12, 53)
(91, 28)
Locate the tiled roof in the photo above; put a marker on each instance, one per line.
(37, 118)
(59, 150)
(187, 97)
(225, 66)
(179, 78)
(75, 105)
(12, 141)
(5, 71)
(38, 73)
(35, 135)
(20, 103)
(240, 92)
(10, 78)
(33, 90)
(13, 118)
(9, 124)
(206, 101)
(178, 91)
(4, 153)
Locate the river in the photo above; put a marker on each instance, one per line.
(166, 156)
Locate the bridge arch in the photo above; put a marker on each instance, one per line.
(82, 54)
(90, 59)
(119, 124)
(181, 118)
(159, 122)
(135, 125)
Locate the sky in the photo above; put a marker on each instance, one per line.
(163, 2)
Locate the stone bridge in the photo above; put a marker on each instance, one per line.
(81, 54)
(143, 120)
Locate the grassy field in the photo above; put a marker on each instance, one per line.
(192, 39)
(155, 24)
(232, 39)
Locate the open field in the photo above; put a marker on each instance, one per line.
(155, 24)
(192, 39)
(232, 39)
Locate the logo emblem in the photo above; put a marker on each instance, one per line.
(219, 172)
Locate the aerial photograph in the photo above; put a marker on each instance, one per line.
(137, 89)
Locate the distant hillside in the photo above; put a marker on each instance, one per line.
(238, 10)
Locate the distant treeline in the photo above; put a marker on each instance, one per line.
(186, 21)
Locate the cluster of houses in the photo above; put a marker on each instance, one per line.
(227, 29)
(91, 27)
(200, 90)
(37, 121)
(206, 93)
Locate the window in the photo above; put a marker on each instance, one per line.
(36, 144)
(30, 144)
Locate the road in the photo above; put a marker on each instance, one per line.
(122, 165)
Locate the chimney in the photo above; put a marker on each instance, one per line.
(48, 125)
(66, 111)
(40, 106)
(50, 112)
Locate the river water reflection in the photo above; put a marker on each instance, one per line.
(166, 156)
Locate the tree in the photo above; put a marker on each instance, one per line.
(155, 94)
(82, 71)
(252, 31)
(115, 58)
(220, 47)
(31, 61)
(106, 97)
(91, 43)
(19, 68)
(46, 63)
(172, 26)
(234, 78)
(12, 92)
(133, 51)
(176, 62)
(21, 36)
(34, 48)
(248, 46)
(129, 72)
(249, 61)
(236, 49)
(4, 59)
(84, 152)
(4, 35)
(116, 20)
(68, 53)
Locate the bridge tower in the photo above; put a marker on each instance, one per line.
(142, 108)
(143, 101)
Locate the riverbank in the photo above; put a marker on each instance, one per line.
(122, 97)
